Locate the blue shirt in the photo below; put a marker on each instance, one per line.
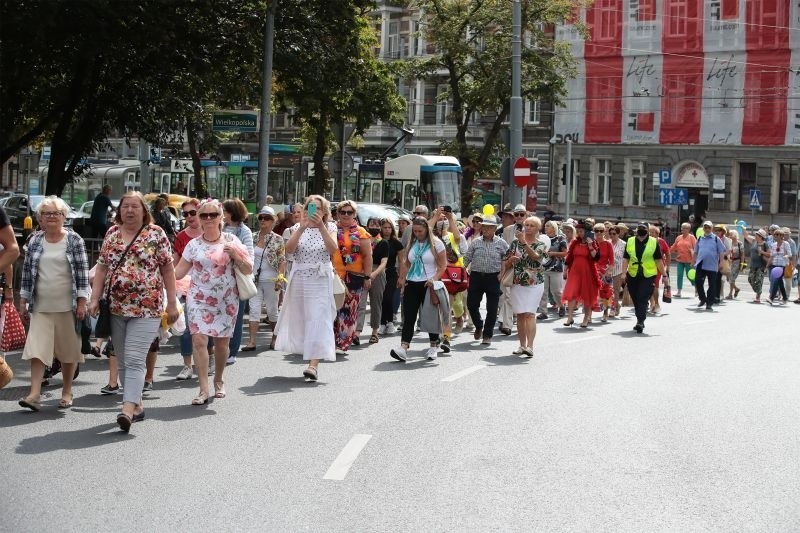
(707, 252)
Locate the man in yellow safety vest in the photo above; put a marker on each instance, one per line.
(641, 262)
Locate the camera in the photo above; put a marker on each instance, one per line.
(447, 209)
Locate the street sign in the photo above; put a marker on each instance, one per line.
(335, 164)
(755, 198)
(679, 196)
(522, 171)
(665, 176)
(235, 120)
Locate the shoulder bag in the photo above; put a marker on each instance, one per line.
(102, 328)
(244, 282)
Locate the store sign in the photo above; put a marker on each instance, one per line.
(692, 175)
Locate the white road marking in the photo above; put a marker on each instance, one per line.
(341, 466)
(465, 372)
(582, 339)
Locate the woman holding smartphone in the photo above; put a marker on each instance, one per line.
(304, 322)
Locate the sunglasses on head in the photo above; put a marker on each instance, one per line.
(191, 213)
(346, 212)
(265, 217)
(206, 216)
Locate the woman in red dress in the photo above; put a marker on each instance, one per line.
(604, 266)
(582, 280)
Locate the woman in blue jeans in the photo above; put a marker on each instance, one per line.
(780, 253)
(192, 230)
(235, 215)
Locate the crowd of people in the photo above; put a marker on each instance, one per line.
(318, 274)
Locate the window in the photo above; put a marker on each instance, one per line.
(607, 20)
(638, 183)
(576, 174)
(677, 15)
(533, 112)
(412, 105)
(747, 181)
(442, 104)
(788, 186)
(393, 41)
(602, 186)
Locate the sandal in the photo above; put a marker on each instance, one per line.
(64, 403)
(356, 341)
(33, 405)
(249, 348)
(373, 339)
(310, 373)
(96, 351)
(201, 399)
(219, 389)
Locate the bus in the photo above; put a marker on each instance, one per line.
(411, 179)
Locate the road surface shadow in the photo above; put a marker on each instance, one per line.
(505, 360)
(278, 385)
(414, 363)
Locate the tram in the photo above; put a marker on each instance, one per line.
(411, 179)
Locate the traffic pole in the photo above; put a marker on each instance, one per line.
(515, 110)
(266, 102)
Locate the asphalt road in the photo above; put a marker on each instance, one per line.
(693, 426)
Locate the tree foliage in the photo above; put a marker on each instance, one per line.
(326, 69)
(472, 39)
(79, 70)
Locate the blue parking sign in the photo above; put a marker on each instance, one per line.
(665, 176)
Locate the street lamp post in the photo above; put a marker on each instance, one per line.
(266, 97)
(515, 110)
(569, 178)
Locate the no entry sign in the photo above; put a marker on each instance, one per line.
(522, 171)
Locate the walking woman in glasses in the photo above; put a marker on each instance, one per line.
(213, 297)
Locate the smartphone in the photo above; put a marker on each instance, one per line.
(447, 209)
(312, 209)
(589, 235)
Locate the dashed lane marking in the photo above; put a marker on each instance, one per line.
(465, 372)
(341, 466)
(593, 337)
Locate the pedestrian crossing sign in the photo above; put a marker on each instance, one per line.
(755, 199)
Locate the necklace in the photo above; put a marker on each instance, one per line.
(212, 241)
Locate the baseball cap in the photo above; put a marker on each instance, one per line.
(708, 223)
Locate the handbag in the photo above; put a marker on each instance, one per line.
(338, 290)
(666, 296)
(102, 329)
(788, 271)
(6, 373)
(455, 279)
(13, 329)
(355, 281)
(725, 266)
(247, 289)
(508, 278)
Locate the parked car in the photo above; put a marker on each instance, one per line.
(19, 206)
(392, 212)
(85, 212)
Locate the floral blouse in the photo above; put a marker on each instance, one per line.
(137, 288)
(273, 253)
(526, 270)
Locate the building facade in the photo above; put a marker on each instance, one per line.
(698, 96)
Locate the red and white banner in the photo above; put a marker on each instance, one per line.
(685, 72)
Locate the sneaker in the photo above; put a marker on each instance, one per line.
(656, 309)
(340, 352)
(382, 329)
(231, 360)
(677, 294)
(185, 374)
(769, 301)
(639, 327)
(399, 354)
(486, 341)
(108, 389)
(561, 312)
(459, 326)
(148, 386)
(391, 329)
(430, 353)
(445, 348)
(542, 316)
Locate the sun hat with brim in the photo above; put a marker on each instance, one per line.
(761, 233)
(489, 221)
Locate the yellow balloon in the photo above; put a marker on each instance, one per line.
(488, 210)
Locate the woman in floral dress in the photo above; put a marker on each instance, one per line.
(526, 255)
(213, 296)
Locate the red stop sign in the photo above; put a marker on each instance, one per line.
(522, 171)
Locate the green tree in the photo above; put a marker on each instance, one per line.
(326, 69)
(472, 39)
(78, 71)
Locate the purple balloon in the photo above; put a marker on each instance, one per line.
(775, 273)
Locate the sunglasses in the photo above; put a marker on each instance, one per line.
(419, 213)
(265, 217)
(346, 213)
(612, 232)
(206, 216)
(599, 231)
(191, 213)
(520, 214)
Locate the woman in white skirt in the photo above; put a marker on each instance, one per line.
(305, 322)
(526, 255)
(55, 285)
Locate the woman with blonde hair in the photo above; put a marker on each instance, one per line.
(305, 320)
(135, 268)
(213, 296)
(55, 285)
(525, 256)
